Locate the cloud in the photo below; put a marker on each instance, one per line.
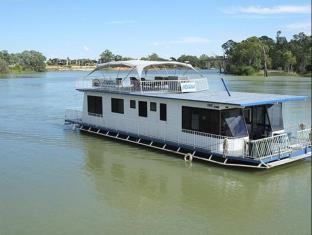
(121, 22)
(85, 48)
(185, 40)
(300, 26)
(283, 9)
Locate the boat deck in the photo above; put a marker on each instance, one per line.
(188, 152)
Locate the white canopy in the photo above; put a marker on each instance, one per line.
(140, 65)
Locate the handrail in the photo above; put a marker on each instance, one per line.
(304, 137)
(209, 134)
(225, 145)
(191, 138)
(268, 147)
(175, 86)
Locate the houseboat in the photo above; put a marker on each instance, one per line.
(169, 106)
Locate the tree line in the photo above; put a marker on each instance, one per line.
(204, 61)
(69, 62)
(24, 61)
(256, 53)
(242, 58)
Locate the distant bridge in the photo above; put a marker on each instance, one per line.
(217, 62)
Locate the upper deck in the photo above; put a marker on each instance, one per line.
(144, 76)
(180, 82)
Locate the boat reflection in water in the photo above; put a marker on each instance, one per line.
(142, 185)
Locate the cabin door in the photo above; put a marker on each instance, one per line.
(257, 122)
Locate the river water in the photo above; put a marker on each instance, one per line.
(56, 181)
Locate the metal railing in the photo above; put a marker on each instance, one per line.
(174, 86)
(161, 86)
(104, 85)
(144, 128)
(304, 137)
(201, 84)
(268, 147)
(227, 146)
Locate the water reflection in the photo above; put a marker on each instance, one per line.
(138, 180)
(124, 168)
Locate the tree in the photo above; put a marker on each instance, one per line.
(5, 56)
(227, 47)
(127, 58)
(203, 61)
(106, 56)
(280, 47)
(280, 40)
(193, 60)
(118, 58)
(269, 42)
(4, 68)
(276, 54)
(289, 60)
(32, 60)
(268, 47)
(300, 46)
(244, 57)
(153, 57)
(14, 59)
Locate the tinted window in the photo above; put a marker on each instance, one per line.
(153, 106)
(233, 123)
(259, 123)
(132, 104)
(163, 112)
(202, 120)
(247, 115)
(95, 105)
(275, 116)
(259, 115)
(142, 109)
(117, 105)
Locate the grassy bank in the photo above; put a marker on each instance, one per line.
(273, 73)
(282, 73)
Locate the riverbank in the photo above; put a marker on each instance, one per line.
(282, 73)
(69, 68)
(60, 68)
(90, 68)
(273, 73)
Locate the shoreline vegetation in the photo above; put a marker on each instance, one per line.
(261, 56)
(271, 73)
(51, 68)
(254, 54)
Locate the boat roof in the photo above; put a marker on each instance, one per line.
(243, 99)
(140, 65)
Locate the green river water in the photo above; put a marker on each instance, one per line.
(57, 181)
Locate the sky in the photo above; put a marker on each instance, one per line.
(136, 28)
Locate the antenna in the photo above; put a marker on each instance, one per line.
(225, 86)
